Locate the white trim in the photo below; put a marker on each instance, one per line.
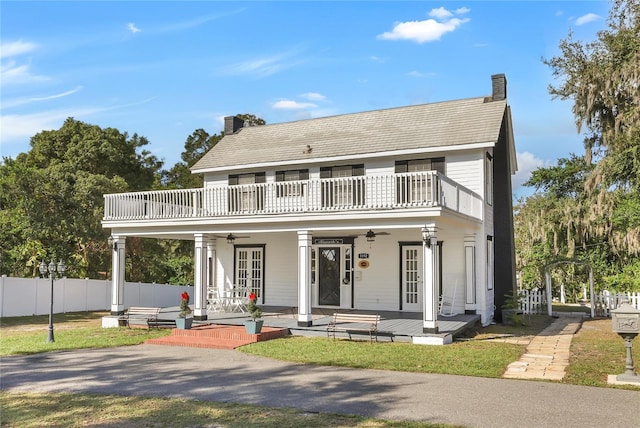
(355, 156)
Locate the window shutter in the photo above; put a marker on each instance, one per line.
(357, 170)
(233, 180)
(325, 172)
(261, 177)
(279, 175)
(304, 174)
(401, 166)
(437, 164)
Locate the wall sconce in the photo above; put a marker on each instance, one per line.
(230, 238)
(113, 243)
(426, 236)
(371, 236)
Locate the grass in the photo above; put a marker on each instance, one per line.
(473, 358)
(28, 335)
(26, 410)
(596, 352)
(486, 353)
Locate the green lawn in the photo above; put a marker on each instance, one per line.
(28, 335)
(33, 410)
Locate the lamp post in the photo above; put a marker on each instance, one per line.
(52, 268)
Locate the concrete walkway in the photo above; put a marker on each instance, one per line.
(547, 354)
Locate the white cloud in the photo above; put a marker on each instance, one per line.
(22, 101)
(416, 73)
(589, 17)
(440, 13)
(10, 49)
(527, 163)
(12, 73)
(132, 27)
(428, 30)
(20, 126)
(60, 95)
(262, 67)
(313, 96)
(292, 105)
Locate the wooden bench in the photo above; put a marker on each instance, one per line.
(138, 315)
(354, 323)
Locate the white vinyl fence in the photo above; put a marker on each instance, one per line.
(535, 301)
(32, 296)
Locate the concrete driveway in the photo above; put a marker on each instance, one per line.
(231, 376)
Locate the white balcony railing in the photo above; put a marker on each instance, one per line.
(375, 192)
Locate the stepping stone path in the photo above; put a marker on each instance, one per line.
(547, 354)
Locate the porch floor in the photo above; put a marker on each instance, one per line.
(399, 326)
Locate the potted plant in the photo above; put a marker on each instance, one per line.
(254, 326)
(184, 320)
(511, 313)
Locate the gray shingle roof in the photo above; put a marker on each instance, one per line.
(449, 123)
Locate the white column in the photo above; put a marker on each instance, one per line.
(547, 279)
(200, 277)
(430, 284)
(304, 279)
(211, 263)
(470, 271)
(118, 257)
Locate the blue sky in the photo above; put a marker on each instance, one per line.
(165, 69)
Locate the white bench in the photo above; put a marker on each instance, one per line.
(354, 323)
(139, 315)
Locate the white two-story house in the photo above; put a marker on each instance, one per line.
(400, 209)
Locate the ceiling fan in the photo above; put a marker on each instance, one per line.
(231, 238)
(371, 235)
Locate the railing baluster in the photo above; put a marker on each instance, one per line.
(403, 190)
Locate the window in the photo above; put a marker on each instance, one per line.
(416, 188)
(291, 182)
(344, 188)
(488, 179)
(245, 192)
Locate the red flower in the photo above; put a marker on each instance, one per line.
(253, 297)
(185, 296)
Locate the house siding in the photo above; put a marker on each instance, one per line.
(466, 169)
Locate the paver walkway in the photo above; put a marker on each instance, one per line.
(547, 354)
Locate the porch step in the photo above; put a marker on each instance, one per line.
(217, 336)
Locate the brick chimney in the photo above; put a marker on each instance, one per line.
(232, 124)
(498, 87)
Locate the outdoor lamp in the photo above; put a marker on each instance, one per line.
(113, 243)
(51, 269)
(426, 236)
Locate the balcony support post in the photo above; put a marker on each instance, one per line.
(430, 284)
(118, 256)
(304, 279)
(200, 277)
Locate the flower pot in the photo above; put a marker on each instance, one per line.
(253, 327)
(184, 323)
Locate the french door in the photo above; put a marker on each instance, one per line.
(411, 287)
(250, 269)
